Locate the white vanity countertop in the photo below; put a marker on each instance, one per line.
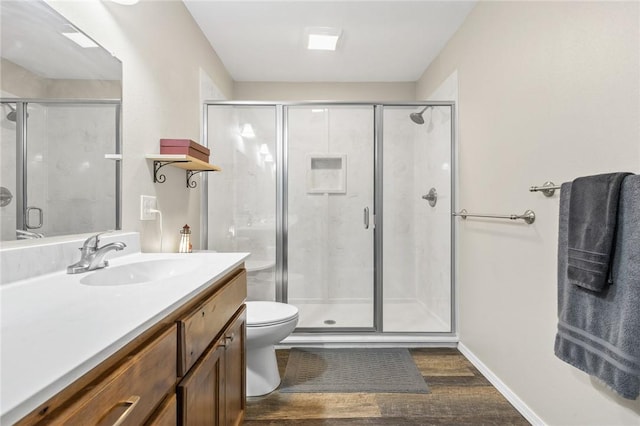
(55, 329)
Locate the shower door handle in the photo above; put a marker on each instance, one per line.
(28, 216)
(366, 218)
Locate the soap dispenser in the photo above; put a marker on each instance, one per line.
(185, 240)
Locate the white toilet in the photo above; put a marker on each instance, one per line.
(268, 323)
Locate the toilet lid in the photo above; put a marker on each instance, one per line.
(268, 313)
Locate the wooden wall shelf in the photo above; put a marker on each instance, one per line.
(190, 164)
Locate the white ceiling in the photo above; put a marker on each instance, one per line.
(381, 41)
(31, 36)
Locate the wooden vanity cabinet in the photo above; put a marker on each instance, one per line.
(128, 393)
(212, 392)
(166, 414)
(188, 369)
(235, 396)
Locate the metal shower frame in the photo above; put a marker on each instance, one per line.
(282, 205)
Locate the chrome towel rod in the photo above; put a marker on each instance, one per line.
(548, 188)
(528, 216)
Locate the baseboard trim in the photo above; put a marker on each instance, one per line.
(519, 405)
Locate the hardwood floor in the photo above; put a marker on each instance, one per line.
(460, 395)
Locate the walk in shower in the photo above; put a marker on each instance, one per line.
(58, 174)
(345, 208)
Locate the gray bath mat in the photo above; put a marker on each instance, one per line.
(349, 370)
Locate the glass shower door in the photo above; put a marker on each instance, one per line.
(57, 174)
(330, 199)
(70, 184)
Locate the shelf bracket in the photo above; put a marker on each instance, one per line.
(157, 165)
(191, 173)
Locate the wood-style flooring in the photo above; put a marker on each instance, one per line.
(460, 395)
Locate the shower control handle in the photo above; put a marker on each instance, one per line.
(431, 197)
(366, 218)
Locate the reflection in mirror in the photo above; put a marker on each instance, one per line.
(60, 126)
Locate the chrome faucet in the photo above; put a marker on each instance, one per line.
(92, 256)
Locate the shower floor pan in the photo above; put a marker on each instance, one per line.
(400, 317)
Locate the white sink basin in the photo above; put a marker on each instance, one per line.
(139, 272)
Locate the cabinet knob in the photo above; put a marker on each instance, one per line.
(230, 337)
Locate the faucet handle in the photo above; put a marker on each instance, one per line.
(90, 243)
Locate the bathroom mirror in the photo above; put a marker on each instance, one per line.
(60, 126)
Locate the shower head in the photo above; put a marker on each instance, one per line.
(417, 117)
(12, 114)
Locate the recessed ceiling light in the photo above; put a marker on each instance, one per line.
(80, 39)
(322, 38)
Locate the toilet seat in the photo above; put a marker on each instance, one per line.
(264, 314)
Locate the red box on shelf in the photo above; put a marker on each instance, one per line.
(185, 147)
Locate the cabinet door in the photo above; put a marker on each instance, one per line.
(165, 415)
(201, 392)
(235, 364)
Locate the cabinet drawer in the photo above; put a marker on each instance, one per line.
(131, 391)
(199, 328)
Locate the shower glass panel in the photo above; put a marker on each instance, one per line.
(242, 199)
(333, 202)
(416, 236)
(54, 165)
(8, 141)
(70, 185)
(330, 201)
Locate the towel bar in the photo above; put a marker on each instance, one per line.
(528, 216)
(548, 188)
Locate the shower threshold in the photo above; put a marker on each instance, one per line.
(379, 340)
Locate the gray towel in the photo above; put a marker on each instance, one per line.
(599, 333)
(593, 212)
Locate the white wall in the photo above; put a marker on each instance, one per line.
(162, 53)
(371, 92)
(547, 91)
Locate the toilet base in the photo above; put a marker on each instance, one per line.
(262, 371)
